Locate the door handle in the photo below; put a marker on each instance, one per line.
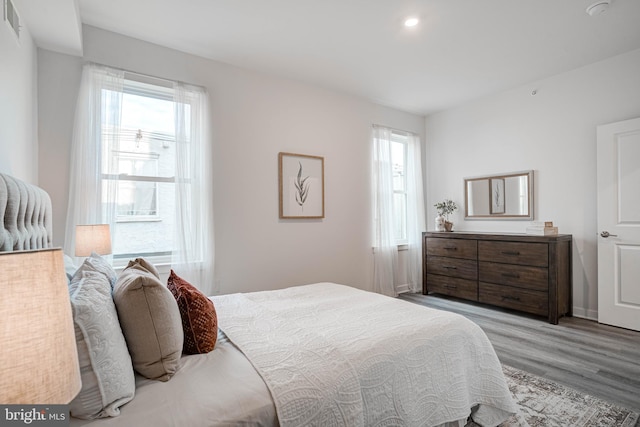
(606, 234)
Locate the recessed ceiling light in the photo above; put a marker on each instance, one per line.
(598, 7)
(411, 22)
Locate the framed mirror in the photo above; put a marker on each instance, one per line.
(503, 196)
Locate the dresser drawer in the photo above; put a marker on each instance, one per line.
(455, 287)
(516, 298)
(535, 254)
(454, 267)
(516, 271)
(527, 277)
(455, 248)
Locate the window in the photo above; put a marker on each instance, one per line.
(398, 209)
(141, 159)
(137, 195)
(398, 165)
(141, 163)
(391, 156)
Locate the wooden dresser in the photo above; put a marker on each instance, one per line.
(523, 272)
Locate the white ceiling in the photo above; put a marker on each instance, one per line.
(461, 50)
(53, 24)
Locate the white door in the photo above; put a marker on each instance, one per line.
(619, 224)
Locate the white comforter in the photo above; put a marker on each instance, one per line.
(334, 355)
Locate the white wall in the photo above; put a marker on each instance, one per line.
(254, 116)
(18, 104)
(58, 83)
(553, 133)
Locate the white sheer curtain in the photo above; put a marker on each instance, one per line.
(93, 200)
(96, 128)
(385, 250)
(386, 266)
(415, 213)
(193, 254)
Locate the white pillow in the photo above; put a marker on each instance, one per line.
(108, 381)
(100, 265)
(69, 267)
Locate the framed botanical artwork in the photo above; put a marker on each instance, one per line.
(301, 185)
(496, 187)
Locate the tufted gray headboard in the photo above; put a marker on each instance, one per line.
(26, 215)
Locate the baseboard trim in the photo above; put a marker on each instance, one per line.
(585, 314)
(402, 288)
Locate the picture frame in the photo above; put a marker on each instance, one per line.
(496, 195)
(301, 186)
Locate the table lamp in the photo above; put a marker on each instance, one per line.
(39, 359)
(93, 238)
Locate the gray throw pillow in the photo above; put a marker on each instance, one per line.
(144, 264)
(150, 321)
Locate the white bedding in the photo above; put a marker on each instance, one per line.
(376, 360)
(219, 388)
(414, 365)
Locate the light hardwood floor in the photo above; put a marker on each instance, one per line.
(599, 360)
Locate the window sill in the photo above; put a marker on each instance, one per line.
(162, 261)
(401, 247)
(140, 219)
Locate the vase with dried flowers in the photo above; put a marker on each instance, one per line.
(445, 208)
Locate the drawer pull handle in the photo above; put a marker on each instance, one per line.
(450, 248)
(512, 275)
(515, 253)
(450, 286)
(450, 267)
(509, 297)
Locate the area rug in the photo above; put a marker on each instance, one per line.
(543, 403)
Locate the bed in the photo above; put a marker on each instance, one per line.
(318, 354)
(26, 215)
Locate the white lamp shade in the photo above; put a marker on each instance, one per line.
(93, 238)
(38, 356)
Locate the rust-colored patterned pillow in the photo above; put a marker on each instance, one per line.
(199, 319)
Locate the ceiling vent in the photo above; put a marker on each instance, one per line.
(11, 17)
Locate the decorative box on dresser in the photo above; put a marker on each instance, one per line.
(523, 272)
